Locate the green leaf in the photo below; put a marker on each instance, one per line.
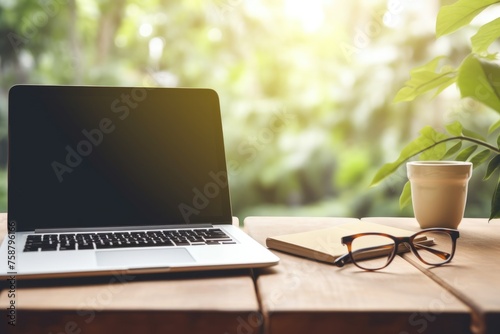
(465, 154)
(428, 139)
(493, 127)
(384, 171)
(492, 72)
(405, 198)
(498, 141)
(455, 128)
(495, 203)
(490, 56)
(453, 17)
(472, 134)
(480, 158)
(486, 35)
(473, 81)
(438, 151)
(434, 153)
(421, 143)
(454, 149)
(426, 78)
(430, 133)
(492, 166)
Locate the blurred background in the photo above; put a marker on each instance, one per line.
(306, 87)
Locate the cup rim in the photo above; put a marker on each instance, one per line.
(439, 163)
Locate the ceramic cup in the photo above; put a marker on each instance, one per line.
(439, 191)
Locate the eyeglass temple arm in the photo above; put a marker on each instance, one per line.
(346, 258)
(440, 254)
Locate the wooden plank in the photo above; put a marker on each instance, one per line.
(203, 302)
(155, 304)
(474, 273)
(304, 296)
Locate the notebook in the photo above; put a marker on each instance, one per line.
(106, 179)
(324, 245)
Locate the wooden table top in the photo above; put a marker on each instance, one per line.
(297, 296)
(301, 295)
(474, 276)
(204, 302)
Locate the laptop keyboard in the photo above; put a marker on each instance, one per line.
(106, 240)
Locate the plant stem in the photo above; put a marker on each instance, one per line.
(470, 139)
(474, 140)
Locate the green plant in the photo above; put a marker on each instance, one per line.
(477, 77)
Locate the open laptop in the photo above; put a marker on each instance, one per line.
(106, 179)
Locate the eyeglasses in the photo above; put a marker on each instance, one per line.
(374, 251)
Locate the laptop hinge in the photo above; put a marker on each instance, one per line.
(121, 228)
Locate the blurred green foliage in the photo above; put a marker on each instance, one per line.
(306, 87)
(477, 77)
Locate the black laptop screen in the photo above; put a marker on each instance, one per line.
(108, 156)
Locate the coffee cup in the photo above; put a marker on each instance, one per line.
(439, 191)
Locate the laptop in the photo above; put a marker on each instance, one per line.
(129, 179)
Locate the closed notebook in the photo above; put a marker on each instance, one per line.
(324, 244)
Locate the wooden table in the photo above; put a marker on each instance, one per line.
(301, 296)
(474, 276)
(297, 296)
(209, 302)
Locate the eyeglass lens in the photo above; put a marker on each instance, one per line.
(439, 251)
(370, 257)
(433, 247)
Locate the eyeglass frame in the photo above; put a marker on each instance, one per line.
(347, 241)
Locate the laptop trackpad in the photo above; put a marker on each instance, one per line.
(143, 257)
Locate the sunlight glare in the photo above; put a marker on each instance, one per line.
(145, 29)
(156, 46)
(309, 13)
(214, 35)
